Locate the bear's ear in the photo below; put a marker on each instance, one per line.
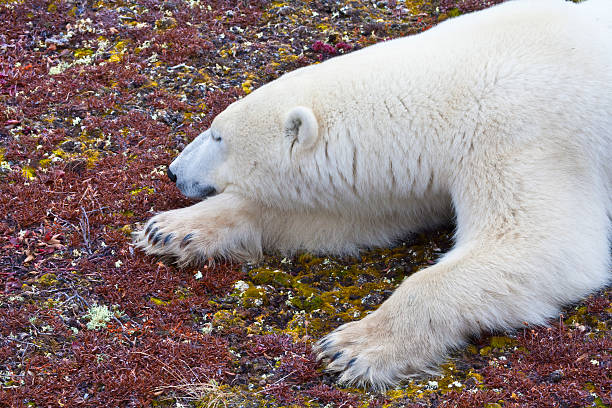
(301, 126)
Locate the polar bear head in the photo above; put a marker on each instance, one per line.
(251, 148)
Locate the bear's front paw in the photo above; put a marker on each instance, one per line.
(167, 234)
(219, 227)
(380, 351)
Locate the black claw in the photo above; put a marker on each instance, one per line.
(152, 234)
(157, 238)
(335, 356)
(167, 239)
(149, 228)
(186, 240)
(323, 345)
(350, 363)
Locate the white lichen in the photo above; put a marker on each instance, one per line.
(241, 286)
(98, 316)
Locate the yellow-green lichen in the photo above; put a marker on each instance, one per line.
(502, 342)
(307, 304)
(254, 297)
(48, 279)
(276, 278)
(28, 172)
(158, 301)
(226, 319)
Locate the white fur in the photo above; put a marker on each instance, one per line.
(502, 118)
(198, 163)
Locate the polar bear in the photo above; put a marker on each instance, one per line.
(500, 119)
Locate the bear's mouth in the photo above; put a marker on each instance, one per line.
(197, 192)
(206, 192)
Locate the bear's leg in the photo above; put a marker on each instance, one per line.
(335, 234)
(224, 226)
(532, 235)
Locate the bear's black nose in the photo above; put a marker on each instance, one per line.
(171, 176)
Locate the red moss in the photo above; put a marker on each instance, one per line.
(551, 367)
(330, 395)
(466, 6)
(103, 368)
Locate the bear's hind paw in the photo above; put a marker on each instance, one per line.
(355, 365)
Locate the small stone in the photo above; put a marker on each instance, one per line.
(165, 23)
(556, 376)
(372, 299)
(285, 10)
(57, 40)
(70, 146)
